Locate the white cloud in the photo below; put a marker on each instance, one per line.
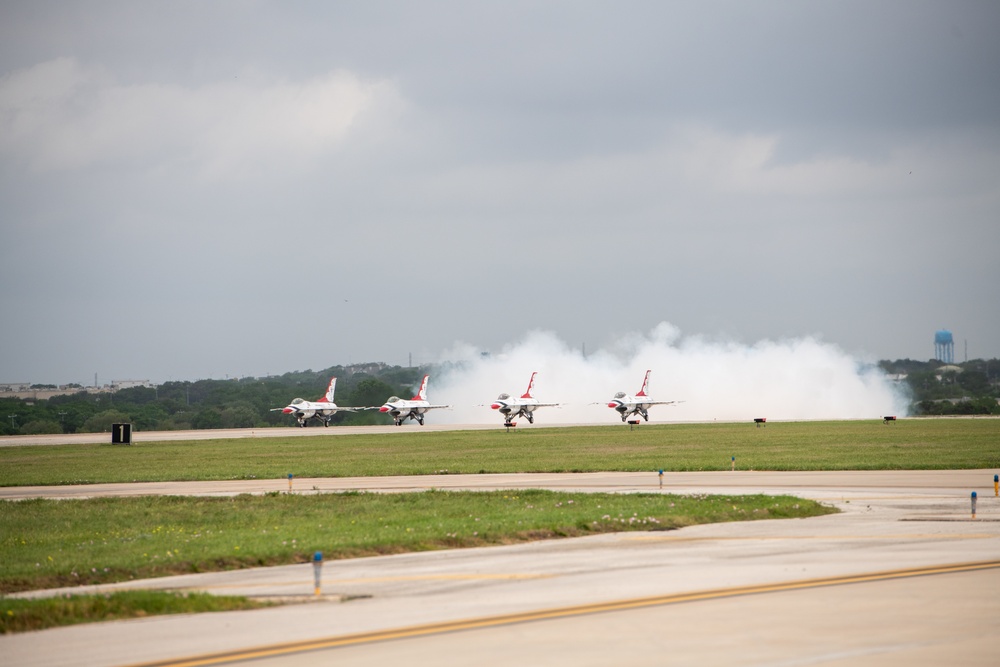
(64, 115)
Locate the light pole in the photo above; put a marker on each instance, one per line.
(12, 421)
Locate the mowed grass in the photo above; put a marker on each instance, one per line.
(54, 543)
(19, 615)
(908, 444)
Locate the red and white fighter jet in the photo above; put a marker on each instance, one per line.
(636, 405)
(322, 409)
(414, 409)
(525, 406)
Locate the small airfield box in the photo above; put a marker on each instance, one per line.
(121, 434)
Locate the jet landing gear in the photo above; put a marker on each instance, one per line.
(419, 419)
(508, 421)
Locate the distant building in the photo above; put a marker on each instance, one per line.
(129, 384)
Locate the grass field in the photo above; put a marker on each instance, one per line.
(52, 543)
(908, 444)
(24, 615)
(47, 543)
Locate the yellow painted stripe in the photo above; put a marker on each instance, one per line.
(560, 612)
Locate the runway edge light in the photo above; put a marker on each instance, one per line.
(290, 475)
(996, 485)
(973, 504)
(317, 572)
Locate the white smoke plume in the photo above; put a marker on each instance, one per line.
(800, 379)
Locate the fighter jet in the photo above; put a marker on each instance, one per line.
(636, 405)
(322, 409)
(414, 409)
(525, 406)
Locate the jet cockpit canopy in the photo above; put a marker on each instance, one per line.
(620, 394)
(503, 397)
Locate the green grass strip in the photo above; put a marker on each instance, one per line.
(53, 543)
(908, 444)
(22, 615)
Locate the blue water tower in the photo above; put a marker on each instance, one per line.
(944, 347)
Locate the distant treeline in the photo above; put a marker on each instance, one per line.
(237, 403)
(966, 388)
(936, 389)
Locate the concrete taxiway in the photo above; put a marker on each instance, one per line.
(902, 574)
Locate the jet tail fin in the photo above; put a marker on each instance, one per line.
(422, 392)
(645, 384)
(531, 386)
(328, 397)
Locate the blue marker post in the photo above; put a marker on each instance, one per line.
(734, 464)
(973, 504)
(996, 485)
(317, 571)
(661, 478)
(290, 482)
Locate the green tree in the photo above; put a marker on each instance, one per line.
(207, 418)
(41, 426)
(371, 392)
(238, 416)
(102, 421)
(148, 417)
(974, 382)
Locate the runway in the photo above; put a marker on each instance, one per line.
(139, 437)
(873, 585)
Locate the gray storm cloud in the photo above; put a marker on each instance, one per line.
(257, 190)
(796, 379)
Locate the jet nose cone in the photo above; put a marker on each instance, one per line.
(495, 406)
(384, 408)
(612, 405)
(286, 411)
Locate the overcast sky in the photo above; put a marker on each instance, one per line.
(208, 189)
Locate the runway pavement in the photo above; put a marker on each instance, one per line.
(139, 437)
(902, 575)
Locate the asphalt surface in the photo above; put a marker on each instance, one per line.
(863, 587)
(139, 437)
